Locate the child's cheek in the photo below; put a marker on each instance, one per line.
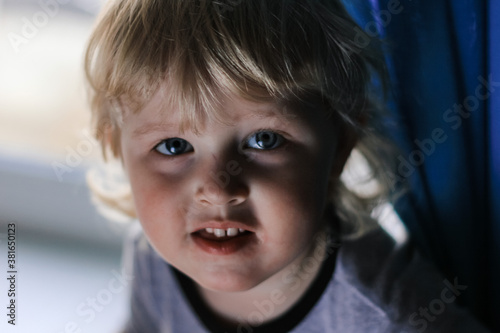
(156, 195)
(290, 194)
(160, 211)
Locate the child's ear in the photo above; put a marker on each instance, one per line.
(109, 136)
(114, 143)
(348, 137)
(346, 142)
(106, 139)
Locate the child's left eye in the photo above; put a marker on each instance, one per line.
(173, 146)
(264, 140)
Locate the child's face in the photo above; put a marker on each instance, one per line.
(272, 185)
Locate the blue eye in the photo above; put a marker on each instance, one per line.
(174, 146)
(264, 140)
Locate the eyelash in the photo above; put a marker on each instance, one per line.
(281, 134)
(155, 150)
(283, 144)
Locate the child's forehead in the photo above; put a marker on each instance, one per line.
(164, 110)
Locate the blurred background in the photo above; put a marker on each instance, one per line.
(68, 256)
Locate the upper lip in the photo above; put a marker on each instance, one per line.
(223, 225)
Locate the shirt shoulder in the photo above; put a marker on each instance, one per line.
(144, 310)
(157, 303)
(388, 287)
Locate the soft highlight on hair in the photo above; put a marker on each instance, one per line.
(301, 53)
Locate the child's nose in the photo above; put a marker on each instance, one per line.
(222, 185)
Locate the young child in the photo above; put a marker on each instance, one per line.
(233, 121)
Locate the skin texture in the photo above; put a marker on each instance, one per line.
(279, 194)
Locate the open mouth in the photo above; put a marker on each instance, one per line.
(222, 234)
(223, 241)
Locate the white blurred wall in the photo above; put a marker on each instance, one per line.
(67, 253)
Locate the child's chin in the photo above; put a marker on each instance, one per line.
(228, 283)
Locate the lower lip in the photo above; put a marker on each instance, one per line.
(223, 247)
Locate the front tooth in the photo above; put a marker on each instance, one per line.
(232, 231)
(220, 232)
(209, 230)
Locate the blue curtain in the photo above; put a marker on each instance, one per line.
(444, 63)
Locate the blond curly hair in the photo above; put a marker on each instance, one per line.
(296, 52)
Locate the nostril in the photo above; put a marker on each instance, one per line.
(234, 201)
(204, 202)
(211, 194)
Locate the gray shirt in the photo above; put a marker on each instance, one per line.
(373, 285)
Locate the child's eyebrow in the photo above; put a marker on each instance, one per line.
(152, 127)
(261, 113)
(272, 112)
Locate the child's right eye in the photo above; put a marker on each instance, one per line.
(265, 140)
(173, 146)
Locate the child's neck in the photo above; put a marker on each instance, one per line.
(235, 308)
